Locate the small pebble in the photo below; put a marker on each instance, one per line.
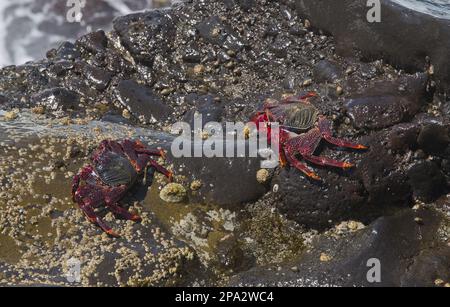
(199, 69)
(262, 176)
(196, 185)
(173, 193)
(325, 258)
(307, 82)
(438, 282)
(307, 24)
(418, 220)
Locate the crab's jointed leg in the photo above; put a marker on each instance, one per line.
(87, 199)
(84, 174)
(323, 161)
(160, 169)
(112, 196)
(304, 144)
(302, 167)
(325, 129)
(301, 99)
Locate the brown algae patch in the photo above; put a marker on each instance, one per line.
(201, 226)
(9, 250)
(269, 236)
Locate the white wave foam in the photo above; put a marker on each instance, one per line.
(437, 8)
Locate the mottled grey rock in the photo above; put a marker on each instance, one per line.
(384, 105)
(146, 34)
(433, 138)
(427, 180)
(403, 38)
(141, 101)
(409, 253)
(56, 99)
(224, 181)
(94, 42)
(326, 71)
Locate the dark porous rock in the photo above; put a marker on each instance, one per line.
(403, 137)
(3, 100)
(146, 34)
(192, 54)
(409, 254)
(280, 47)
(433, 138)
(246, 5)
(224, 181)
(204, 105)
(79, 85)
(385, 105)
(404, 37)
(298, 31)
(272, 30)
(60, 68)
(35, 78)
(67, 51)
(214, 31)
(319, 206)
(427, 181)
(94, 42)
(386, 185)
(326, 71)
(56, 99)
(97, 77)
(141, 101)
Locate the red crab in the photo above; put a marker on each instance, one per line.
(301, 130)
(116, 167)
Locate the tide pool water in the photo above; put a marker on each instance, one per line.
(437, 8)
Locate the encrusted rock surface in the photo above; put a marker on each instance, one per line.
(409, 254)
(221, 59)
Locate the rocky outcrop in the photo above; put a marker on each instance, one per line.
(403, 37)
(408, 249)
(222, 59)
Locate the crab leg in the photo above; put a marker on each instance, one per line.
(150, 152)
(325, 129)
(106, 228)
(161, 169)
(301, 167)
(82, 175)
(304, 144)
(302, 98)
(112, 196)
(116, 209)
(323, 161)
(94, 219)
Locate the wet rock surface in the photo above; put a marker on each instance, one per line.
(221, 59)
(141, 101)
(404, 37)
(388, 103)
(56, 99)
(409, 253)
(230, 182)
